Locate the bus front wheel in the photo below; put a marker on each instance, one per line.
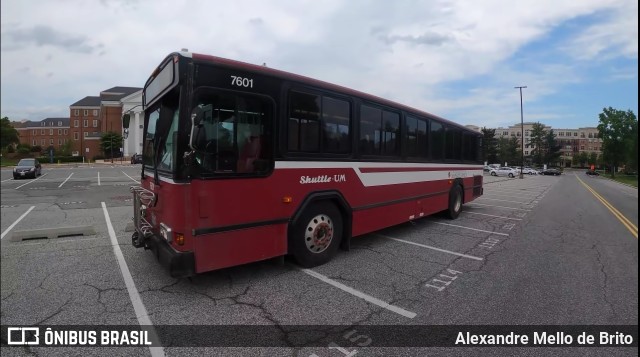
(455, 202)
(316, 235)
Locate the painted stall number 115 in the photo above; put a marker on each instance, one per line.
(242, 82)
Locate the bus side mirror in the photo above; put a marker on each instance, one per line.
(196, 121)
(125, 121)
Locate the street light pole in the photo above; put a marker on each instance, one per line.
(521, 132)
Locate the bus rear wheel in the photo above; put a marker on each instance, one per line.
(316, 235)
(455, 202)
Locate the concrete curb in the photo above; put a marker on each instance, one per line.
(52, 233)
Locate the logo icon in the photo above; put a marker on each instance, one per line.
(23, 335)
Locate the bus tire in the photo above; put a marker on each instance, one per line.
(455, 202)
(316, 235)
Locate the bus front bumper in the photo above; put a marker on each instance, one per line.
(180, 264)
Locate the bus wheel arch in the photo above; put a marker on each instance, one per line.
(318, 214)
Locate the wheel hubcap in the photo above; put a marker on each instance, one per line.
(318, 233)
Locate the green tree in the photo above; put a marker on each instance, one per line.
(537, 141)
(617, 129)
(600, 160)
(552, 149)
(66, 148)
(575, 160)
(593, 158)
(489, 146)
(632, 158)
(515, 150)
(583, 157)
(110, 142)
(8, 134)
(508, 151)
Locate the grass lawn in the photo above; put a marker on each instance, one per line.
(8, 162)
(629, 180)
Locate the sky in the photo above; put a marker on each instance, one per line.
(457, 59)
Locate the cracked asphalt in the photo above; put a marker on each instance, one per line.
(542, 250)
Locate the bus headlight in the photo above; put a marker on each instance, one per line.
(166, 232)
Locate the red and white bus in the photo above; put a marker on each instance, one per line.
(243, 163)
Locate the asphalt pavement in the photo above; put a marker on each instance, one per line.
(542, 250)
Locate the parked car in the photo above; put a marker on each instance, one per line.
(529, 171)
(136, 159)
(27, 168)
(552, 172)
(592, 173)
(487, 168)
(504, 171)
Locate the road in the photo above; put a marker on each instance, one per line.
(543, 250)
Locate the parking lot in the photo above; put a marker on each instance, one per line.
(539, 250)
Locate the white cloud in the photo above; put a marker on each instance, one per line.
(403, 50)
(616, 36)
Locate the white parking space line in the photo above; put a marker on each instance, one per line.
(510, 194)
(492, 215)
(130, 177)
(7, 180)
(430, 247)
(471, 229)
(495, 199)
(507, 189)
(98, 178)
(505, 207)
(16, 222)
(136, 300)
(354, 292)
(543, 186)
(24, 184)
(66, 180)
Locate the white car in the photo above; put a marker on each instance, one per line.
(504, 171)
(527, 171)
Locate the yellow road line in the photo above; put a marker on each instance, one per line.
(627, 223)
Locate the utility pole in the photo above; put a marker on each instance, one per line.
(521, 132)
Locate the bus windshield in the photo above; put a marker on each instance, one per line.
(161, 134)
(234, 133)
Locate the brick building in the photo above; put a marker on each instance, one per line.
(85, 128)
(572, 141)
(89, 118)
(50, 132)
(93, 116)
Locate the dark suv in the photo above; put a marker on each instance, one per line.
(136, 159)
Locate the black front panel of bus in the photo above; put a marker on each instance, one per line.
(236, 79)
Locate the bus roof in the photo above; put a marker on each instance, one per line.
(311, 81)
